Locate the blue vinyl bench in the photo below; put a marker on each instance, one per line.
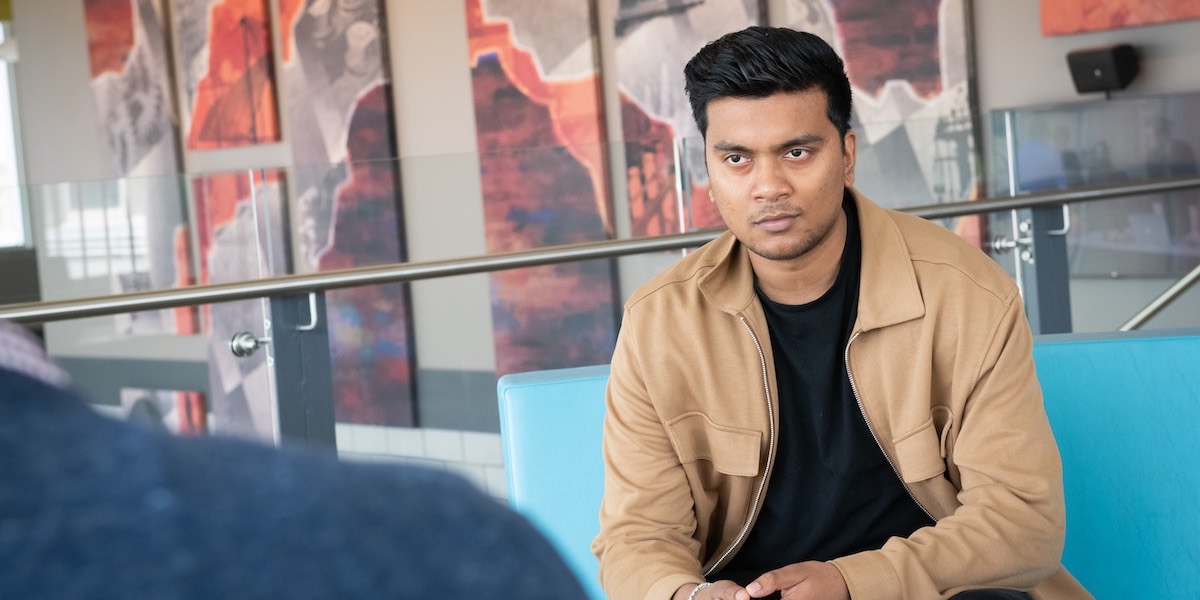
(1125, 409)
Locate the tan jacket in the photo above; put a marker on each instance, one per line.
(940, 360)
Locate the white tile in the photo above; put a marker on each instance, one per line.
(405, 441)
(436, 465)
(473, 473)
(370, 439)
(344, 434)
(482, 448)
(444, 444)
(497, 484)
(366, 457)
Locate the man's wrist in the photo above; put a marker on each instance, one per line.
(696, 590)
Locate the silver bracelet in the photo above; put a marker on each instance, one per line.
(696, 590)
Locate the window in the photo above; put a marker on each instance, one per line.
(14, 228)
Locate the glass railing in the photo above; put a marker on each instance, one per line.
(1119, 253)
(413, 365)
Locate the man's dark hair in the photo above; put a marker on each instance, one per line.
(757, 62)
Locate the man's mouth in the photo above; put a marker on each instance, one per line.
(775, 221)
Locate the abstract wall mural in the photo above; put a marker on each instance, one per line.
(131, 86)
(540, 131)
(226, 59)
(133, 229)
(348, 210)
(909, 69)
(239, 222)
(1061, 17)
(664, 156)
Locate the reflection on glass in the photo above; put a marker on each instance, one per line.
(116, 237)
(1105, 143)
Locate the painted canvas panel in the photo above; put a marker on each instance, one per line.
(664, 156)
(175, 411)
(239, 221)
(909, 70)
(542, 165)
(348, 210)
(131, 229)
(226, 63)
(1076, 16)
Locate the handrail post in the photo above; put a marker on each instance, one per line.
(303, 371)
(1048, 278)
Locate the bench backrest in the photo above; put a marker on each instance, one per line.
(1125, 409)
(550, 428)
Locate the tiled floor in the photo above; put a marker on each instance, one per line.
(475, 456)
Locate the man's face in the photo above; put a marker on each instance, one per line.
(778, 169)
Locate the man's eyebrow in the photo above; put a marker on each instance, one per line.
(730, 147)
(807, 139)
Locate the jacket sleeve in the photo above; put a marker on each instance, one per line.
(1009, 528)
(645, 546)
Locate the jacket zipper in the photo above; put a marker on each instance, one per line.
(871, 429)
(762, 485)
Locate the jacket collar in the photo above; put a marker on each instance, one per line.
(888, 289)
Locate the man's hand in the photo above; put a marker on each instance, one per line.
(810, 580)
(719, 590)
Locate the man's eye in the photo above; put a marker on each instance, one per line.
(797, 152)
(735, 159)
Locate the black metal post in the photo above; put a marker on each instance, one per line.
(303, 370)
(1048, 279)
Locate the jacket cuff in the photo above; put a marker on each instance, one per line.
(869, 576)
(664, 588)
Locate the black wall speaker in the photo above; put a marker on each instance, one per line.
(1103, 69)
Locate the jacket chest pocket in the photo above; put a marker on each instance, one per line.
(919, 454)
(730, 450)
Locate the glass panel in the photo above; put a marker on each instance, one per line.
(424, 354)
(1127, 250)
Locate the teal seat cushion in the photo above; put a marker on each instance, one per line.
(551, 425)
(1125, 409)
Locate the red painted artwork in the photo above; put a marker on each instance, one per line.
(891, 40)
(289, 14)
(109, 34)
(369, 326)
(348, 209)
(1061, 17)
(128, 58)
(542, 166)
(234, 102)
(664, 167)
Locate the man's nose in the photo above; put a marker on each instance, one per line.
(770, 181)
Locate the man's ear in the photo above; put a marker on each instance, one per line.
(849, 156)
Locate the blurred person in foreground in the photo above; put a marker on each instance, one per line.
(831, 400)
(92, 508)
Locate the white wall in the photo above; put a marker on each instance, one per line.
(439, 171)
(60, 141)
(1016, 66)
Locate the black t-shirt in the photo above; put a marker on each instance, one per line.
(832, 491)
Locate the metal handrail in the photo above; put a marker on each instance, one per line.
(60, 310)
(1158, 304)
